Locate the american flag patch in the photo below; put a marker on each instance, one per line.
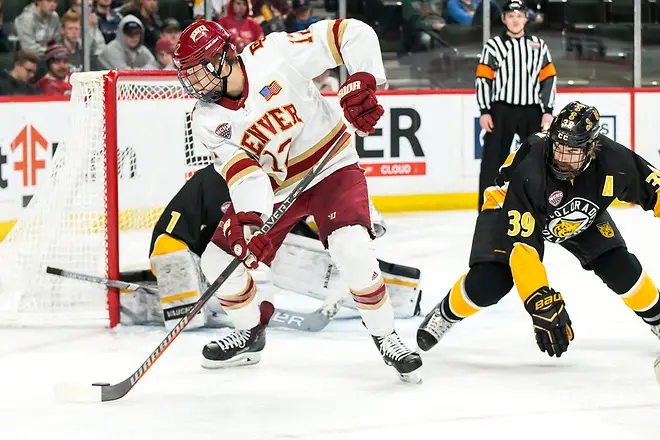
(270, 90)
(224, 130)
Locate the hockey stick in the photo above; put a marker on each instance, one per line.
(104, 391)
(309, 322)
(123, 285)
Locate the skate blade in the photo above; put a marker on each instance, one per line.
(241, 360)
(414, 377)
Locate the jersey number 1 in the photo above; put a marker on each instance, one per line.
(175, 218)
(518, 223)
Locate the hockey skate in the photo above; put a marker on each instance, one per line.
(432, 329)
(656, 330)
(240, 347)
(395, 353)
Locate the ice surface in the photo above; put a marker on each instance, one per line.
(486, 380)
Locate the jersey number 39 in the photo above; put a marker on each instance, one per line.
(520, 224)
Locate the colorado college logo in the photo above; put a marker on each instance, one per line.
(569, 220)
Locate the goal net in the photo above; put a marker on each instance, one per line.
(128, 150)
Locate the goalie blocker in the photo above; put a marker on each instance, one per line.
(186, 226)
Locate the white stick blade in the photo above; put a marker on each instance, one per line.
(77, 392)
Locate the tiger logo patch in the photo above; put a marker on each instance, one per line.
(605, 229)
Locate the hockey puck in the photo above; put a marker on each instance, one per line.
(101, 384)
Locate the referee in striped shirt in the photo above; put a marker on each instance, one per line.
(515, 84)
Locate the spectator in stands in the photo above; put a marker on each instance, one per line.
(146, 11)
(37, 25)
(108, 19)
(18, 80)
(4, 39)
(164, 51)
(326, 82)
(218, 9)
(70, 39)
(171, 30)
(94, 34)
(126, 51)
(422, 16)
(238, 23)
(470, 11)
(269, 17)
(56, 81)
(301, 18)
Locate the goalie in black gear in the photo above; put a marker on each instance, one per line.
(556, 187)
(183, 232)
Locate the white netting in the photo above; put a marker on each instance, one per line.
(64, 224)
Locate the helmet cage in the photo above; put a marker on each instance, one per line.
(203, 83)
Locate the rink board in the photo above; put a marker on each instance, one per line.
(424, 155)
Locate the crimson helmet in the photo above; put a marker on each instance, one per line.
(194, 59)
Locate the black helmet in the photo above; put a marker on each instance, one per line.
(514, 5)
(576, 126)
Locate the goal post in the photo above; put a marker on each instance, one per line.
(126, 151)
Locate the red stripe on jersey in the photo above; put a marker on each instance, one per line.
(235, 170)
(335, 33)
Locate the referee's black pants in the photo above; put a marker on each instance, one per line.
(508, 120)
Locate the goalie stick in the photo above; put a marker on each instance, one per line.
(105, 392)
(309, 322)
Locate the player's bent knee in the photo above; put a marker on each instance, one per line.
(487, 283)
(618, 268)
(353, 252)
(214, 261)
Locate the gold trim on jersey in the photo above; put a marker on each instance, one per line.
(527, 269)
(320, 144)
(459, 303)
(643, 295)
(166, 244)
(656, 210)
(335, 36)
(494, 196)
(345, 140)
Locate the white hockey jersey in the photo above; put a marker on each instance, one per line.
(264, 143)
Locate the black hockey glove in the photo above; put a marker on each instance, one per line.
(552, 324)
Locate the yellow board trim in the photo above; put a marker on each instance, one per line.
(178, 297)
(386, 204)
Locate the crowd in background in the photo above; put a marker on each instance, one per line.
(126, 35)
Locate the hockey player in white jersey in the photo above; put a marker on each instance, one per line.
(266, 126)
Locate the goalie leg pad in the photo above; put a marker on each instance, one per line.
(237, 294)
(353, 253)
(179, 280)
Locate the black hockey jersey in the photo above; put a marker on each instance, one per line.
(536, 207)
(194, 213)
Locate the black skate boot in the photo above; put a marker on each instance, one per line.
(395, 353)
(240, 347)
(432, 329)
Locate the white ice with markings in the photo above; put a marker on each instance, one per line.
(485, 380)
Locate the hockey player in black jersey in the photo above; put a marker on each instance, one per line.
(556, 187)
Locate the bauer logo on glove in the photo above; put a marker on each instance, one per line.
(357, 96)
